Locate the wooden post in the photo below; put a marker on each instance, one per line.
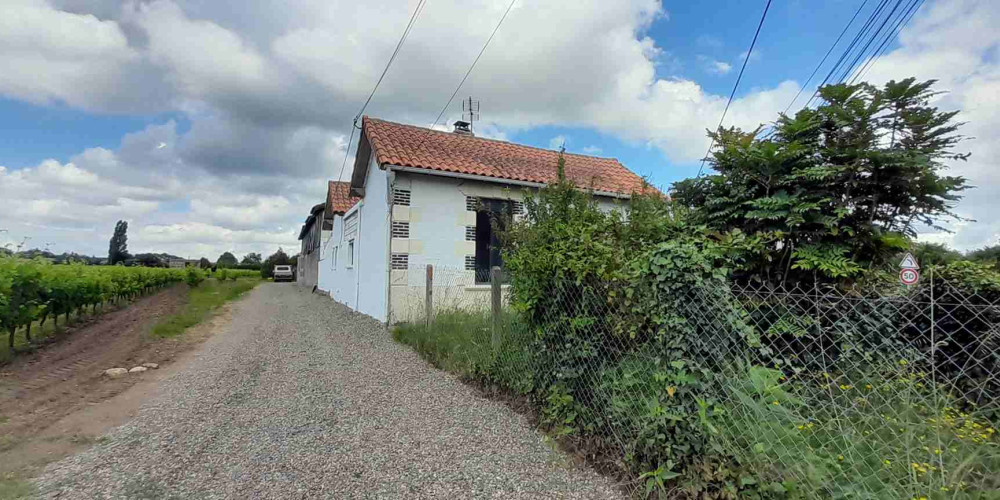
(429, 298)
(496, 276)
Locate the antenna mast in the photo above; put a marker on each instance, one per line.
(470, 108)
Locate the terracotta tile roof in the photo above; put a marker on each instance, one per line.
(410, 146)
(338, 198)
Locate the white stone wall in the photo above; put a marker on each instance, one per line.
(437, 218)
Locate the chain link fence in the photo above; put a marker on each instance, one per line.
(810, 391)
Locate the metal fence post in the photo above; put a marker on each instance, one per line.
(496, 276)
(429, 297)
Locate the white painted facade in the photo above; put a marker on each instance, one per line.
(354, 267)
(435, 221)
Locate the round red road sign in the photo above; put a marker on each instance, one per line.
(909, 276)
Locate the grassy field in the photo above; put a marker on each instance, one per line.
(202, 300)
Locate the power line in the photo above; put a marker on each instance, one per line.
(737, 84)
(828, 52)
(850, 48)
(467, 73)
(406, 32)
(900, 24)
(896, 18)
(395, 52)
(857, 58)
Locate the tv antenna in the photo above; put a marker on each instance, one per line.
(470, 110)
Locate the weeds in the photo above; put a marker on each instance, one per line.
(202, 300)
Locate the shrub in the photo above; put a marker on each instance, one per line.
(193, 277)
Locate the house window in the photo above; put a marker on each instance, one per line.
(471, 203)
(400, 229)
(350, 253)
(470, 262)
(470, 233)
(400, 261)
(401, 197)
(492, 217)
(336, 250)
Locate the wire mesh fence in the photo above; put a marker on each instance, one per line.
(815, 390)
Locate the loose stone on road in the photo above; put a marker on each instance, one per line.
(300, 398)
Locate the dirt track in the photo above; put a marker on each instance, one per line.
(39, 389)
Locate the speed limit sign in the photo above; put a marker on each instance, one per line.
(909, 276)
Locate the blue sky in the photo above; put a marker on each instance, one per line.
(215, 129)
(693, 34)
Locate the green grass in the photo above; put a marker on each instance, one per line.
(201, 301)
(11, 489)
(462, 342)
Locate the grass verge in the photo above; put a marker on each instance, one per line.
(463, 343)
(201, 301)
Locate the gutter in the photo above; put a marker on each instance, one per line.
(495, 180)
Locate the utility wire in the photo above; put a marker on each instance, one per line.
(828, 52)
(737, 84)
(395, 52)
(850, 48)
(473, 66)
(900, 24)
(406, 32)
(878, 33)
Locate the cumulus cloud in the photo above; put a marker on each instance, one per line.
(265, 95)
(714, 66)
(75, 204)
(955, 42)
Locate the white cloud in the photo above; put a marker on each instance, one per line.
(754, 56)
(54, 56)
(267, 92)
(714, 66)
(592, 150)
(708, 41)
(558, 142)
(956, 43)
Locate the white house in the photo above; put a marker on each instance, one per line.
(420, 196)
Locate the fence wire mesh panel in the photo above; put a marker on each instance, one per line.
(818, 391)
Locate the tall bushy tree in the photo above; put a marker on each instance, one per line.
(837, 189)
(118, 247)
(928, 254)
(987, 255)
(226, 260)
(278, 258)
(251, 259)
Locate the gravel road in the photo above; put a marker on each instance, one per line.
(300, 398)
